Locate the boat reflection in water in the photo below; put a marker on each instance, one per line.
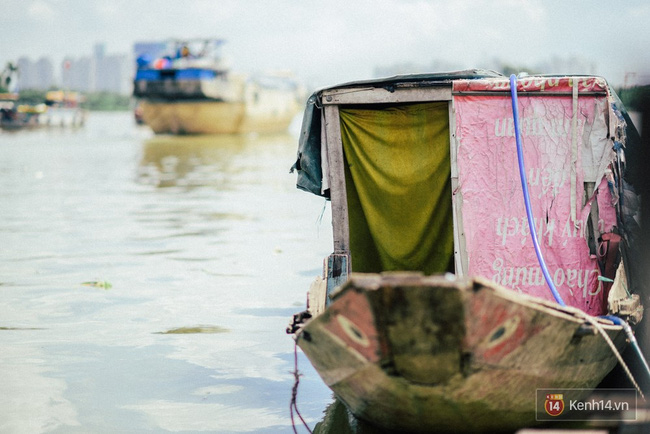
(339, 420)
(205, 160)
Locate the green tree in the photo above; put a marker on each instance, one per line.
(32, 96)
(633, 97)
(107, 101)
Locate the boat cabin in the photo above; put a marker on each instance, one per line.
(423, 175)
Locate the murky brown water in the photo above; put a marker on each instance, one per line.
(146, 282)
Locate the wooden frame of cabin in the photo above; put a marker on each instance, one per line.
(334, 98)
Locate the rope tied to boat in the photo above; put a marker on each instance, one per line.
(630, 335)
(293, 405)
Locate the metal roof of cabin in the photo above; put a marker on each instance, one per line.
(308, 162)
(422, 79)
(309, 159)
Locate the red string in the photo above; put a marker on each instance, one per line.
(294, 393)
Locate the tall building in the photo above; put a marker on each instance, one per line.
(35, 75)
(100, 72)
(45, 73)
(99, 51)
(26, 73)
(112, 74)
(78, 74)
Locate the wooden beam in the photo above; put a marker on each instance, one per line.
(378, 95)
(338, 195)
(460, 252)
(337, 273)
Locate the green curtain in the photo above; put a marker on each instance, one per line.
(398, 187)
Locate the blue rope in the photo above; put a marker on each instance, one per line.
(524, 186)
(630, 337)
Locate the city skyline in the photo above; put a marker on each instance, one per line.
(325, 43)
(98, 71)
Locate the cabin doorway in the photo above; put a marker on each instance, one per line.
(398, 186)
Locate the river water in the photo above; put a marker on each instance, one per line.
(146, 281)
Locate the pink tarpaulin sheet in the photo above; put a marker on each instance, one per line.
(534, 84)
(558, 163)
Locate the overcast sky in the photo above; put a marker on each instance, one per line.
(326, 42)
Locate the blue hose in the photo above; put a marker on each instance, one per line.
(533, 232)
(524, 186)
(630, 337)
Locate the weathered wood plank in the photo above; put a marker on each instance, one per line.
(491, 353)
(378, 95)
(317, 297)
(336, 272)
(425, 329)
(460, 252)
(338, 195)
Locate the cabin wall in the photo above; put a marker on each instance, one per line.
(567, 151)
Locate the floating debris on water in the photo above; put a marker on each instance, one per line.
(98, 284)
(194, 330)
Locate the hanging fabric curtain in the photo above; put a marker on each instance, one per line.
(398, 187)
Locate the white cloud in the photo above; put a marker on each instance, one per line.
(41, 11)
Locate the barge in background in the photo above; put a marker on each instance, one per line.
(185, 87)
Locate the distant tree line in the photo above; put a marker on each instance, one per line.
(633, 98)
(32, 96)
(96, 101)
(107, 101)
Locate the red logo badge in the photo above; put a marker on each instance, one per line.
(554, 404)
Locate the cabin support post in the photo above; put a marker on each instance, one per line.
(338, 193)
(336, 271)
(574, 153)
(338, 264)
(460, 255)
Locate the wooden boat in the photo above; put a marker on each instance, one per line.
(432, 313)
(64, 108)
(184, 87)
(59, 109)
(10, 118)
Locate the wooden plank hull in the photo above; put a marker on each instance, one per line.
(51, 117)
(215, 117)
(414, 353)
(192, 117)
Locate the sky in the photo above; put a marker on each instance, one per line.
(331, 41)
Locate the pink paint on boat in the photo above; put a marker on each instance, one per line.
(559, 161)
